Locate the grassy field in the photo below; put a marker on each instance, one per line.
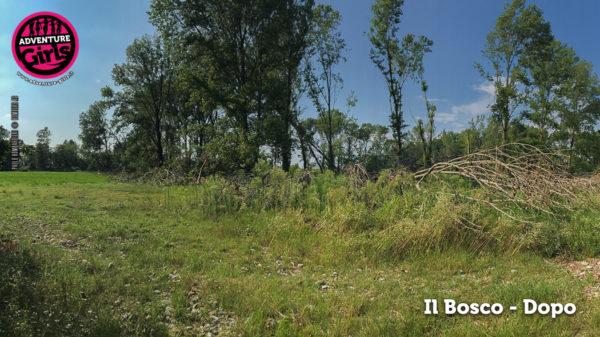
(100, 258)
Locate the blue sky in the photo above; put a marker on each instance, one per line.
(458, 29)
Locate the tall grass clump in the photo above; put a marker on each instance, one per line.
(398, 218)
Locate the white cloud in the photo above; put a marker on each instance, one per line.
(487, 87)
(481, 105)
(445, 117)
(461, 114)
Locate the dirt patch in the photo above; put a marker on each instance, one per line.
(37, 230)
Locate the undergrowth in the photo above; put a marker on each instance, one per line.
(401, 219)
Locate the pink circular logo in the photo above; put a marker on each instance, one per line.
(45, 45)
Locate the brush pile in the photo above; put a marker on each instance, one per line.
(516, 180)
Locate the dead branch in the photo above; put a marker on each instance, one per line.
(357, 174)
(516, 177)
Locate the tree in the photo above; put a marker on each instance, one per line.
(548, 70)
(294, 27)
(26, 155)
(397, 60)
(426, 131)
(323, 131)
(473, 134)
(519, 31)
(380, 148)
(146, 81)
(243, 57)
(95, 135)
(582, 108)
(305, 143)
(66, 156)
(42, 154)
(588, 145)
(94, 128)
(450, 146)
(325, 52)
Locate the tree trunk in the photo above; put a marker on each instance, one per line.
(468, 142)
(304, 155)
(504, 131)
(572, 141)
(397, 124)
(330, 156)
(286, 146)
(159, 144)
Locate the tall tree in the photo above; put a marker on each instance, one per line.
(426, 131)
(325, 53)
(146, 82)
(582, 109)
(546, 72)
(397, 60)
(295, 23)
(519, 31)
(95, 135)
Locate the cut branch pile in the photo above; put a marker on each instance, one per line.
(516, 179)
(357, 174)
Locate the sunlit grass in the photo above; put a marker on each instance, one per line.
(99, 258)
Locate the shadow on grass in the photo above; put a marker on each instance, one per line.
(35, 303)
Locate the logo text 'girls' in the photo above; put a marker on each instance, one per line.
(45, 45)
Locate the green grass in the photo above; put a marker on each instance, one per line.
(100, 258)
(49, 178)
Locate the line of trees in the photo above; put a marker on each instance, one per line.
(226, 84)
(41, 156)
(542, 86)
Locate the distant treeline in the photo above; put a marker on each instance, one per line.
(226, 84)
(67, 156)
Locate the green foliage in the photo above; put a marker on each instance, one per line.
(95, 134)
(520, 32)
(242, 60)
(42, 154)
(146, 80)
(94, 128)
(352, 143)
(221, 89)
(294, 29)
(583, 107)
(5, 149)
(397, 60)
(65, 157)
(324, 54)
(549, 69)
